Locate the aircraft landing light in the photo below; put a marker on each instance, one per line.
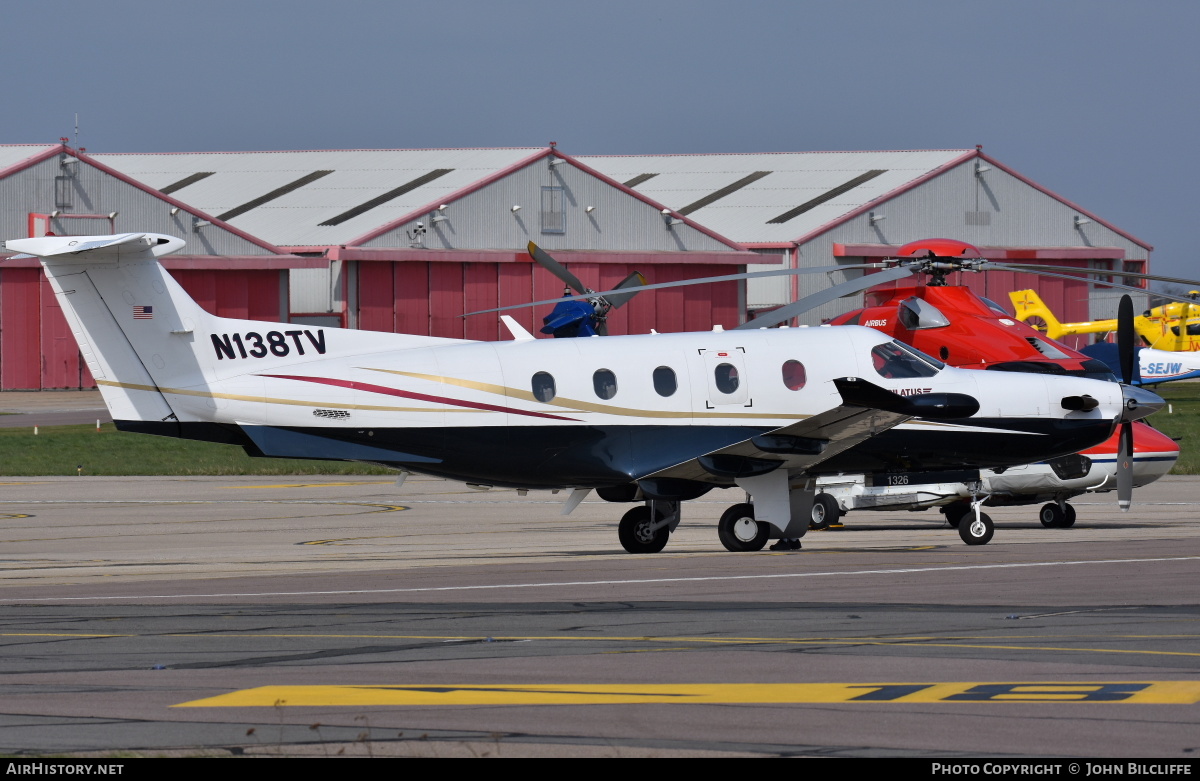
(1132, 692)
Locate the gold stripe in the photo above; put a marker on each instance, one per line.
(268, 400)
(577, 405)
(1152, 692)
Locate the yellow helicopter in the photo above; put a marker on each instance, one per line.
(1174, 327)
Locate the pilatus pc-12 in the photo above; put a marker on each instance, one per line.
(654, 419)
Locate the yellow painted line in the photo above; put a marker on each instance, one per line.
(1051, 648)
(1134, 692)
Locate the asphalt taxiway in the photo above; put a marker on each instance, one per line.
(323, 616)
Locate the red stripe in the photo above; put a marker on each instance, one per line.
(410, 395)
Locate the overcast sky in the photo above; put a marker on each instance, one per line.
(1095, 100)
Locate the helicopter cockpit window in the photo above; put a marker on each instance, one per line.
(664, 381)
(794, 375)
(726, 375)
(992, 305)
(605, 383)
(543, 387)
(916, 315)
(896, 361)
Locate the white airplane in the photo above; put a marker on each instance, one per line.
(1054, 482)
(657, 419)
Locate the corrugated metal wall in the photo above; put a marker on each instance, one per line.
(427, 298)
(41, 187)
(484, 219)
(994, 209)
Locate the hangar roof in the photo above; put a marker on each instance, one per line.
(315, 198)
(14, 154)
(764, 198)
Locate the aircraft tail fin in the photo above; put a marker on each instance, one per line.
(154, 352)
(124, 310)
(1028, 304)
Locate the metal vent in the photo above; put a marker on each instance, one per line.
(635, 181)
(828, 196)
(389, 195)
(260, 200)
(331, 414)
(185, 181)
(978, 218)
(719, 194)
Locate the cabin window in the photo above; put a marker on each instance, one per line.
(543, 387)
(605, 383)
(726, 375)
(794, 375)
(664, 381)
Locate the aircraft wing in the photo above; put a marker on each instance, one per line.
(866, 410)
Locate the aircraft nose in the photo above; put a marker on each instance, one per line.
(1139, 403)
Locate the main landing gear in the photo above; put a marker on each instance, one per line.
(1057, 515)
(738, 530)
(646, 529)
(974, 526)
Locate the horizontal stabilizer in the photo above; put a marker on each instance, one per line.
(89, 249)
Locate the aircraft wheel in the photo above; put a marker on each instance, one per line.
(636, 534)
(1054, 517)
(739, 531)
(825, 512)
(976, 532)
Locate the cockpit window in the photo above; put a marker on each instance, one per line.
(896, 361)
(992, 305)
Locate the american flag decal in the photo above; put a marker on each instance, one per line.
(143, 313)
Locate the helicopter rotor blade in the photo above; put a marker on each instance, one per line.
(847, 288)
(544, 260)
(631, 285)
(1114, 285)
(1097, 272)
(683, 283)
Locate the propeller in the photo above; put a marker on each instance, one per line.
(1125, 336)
(574, 317)
(1139, 403)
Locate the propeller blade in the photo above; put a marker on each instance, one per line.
(849, 287)
(632, 284)
(684, 282)
(1125, 338)
(1125, 467)
(554, 267)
